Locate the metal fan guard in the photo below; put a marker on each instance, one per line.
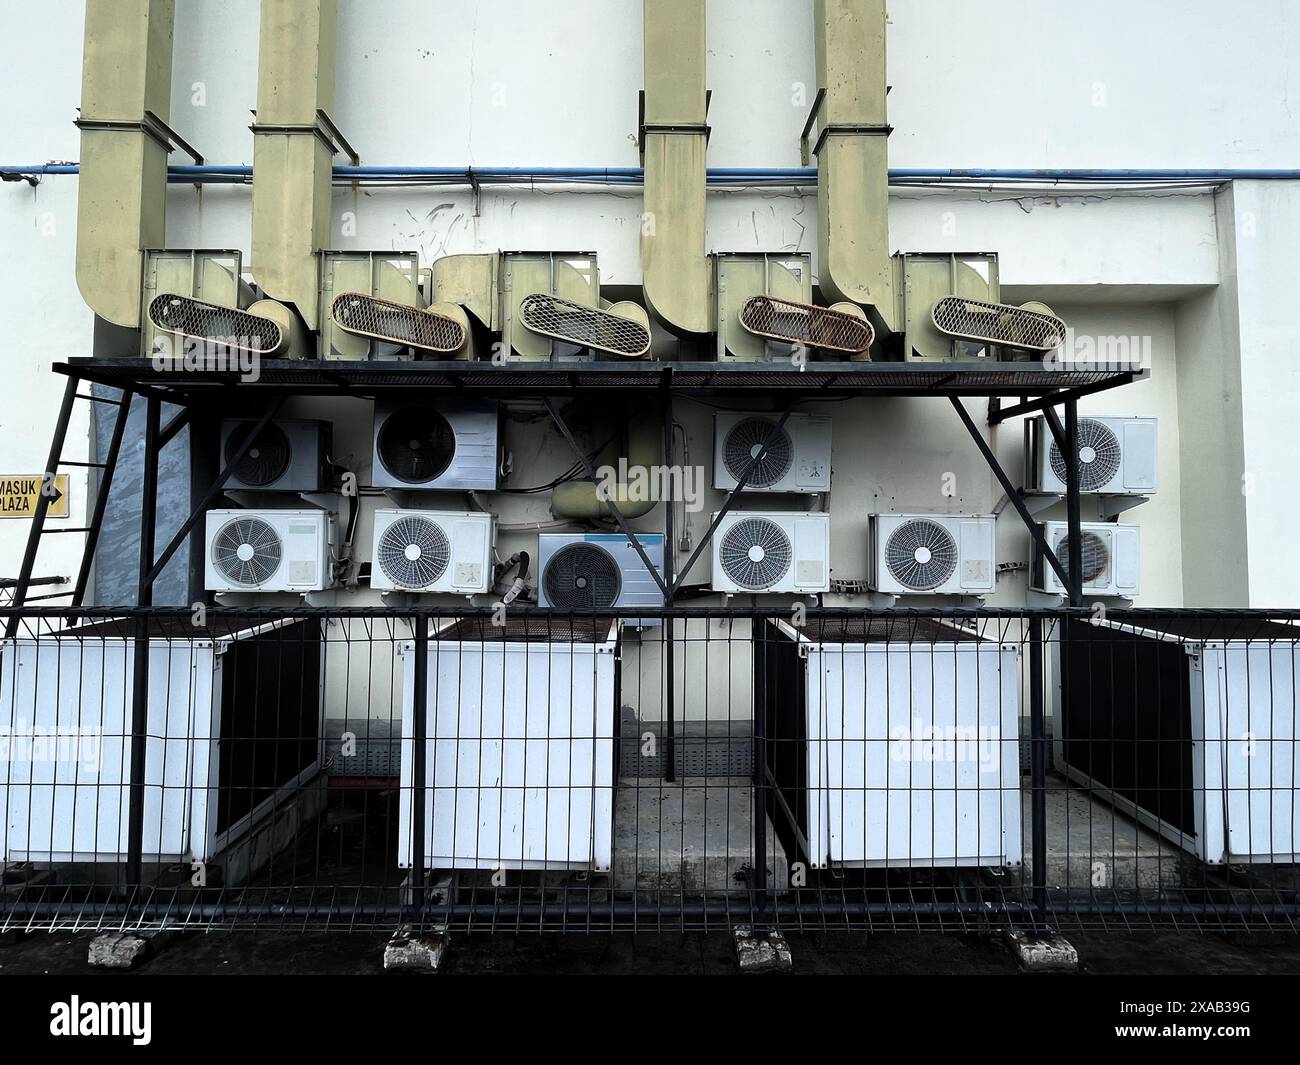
(1093, 555)
(435, 552)
(403, 427)
(267, 551)
(739, 444)
(900, 555)
(733, 553)
(582, 563)
(1105, 445)
(267, 457)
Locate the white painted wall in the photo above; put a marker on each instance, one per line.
(519, 83)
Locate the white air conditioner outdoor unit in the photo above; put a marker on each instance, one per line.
(932, 554)
(288, 455)
(1110, 557)
(521, 723)
(436, 444)
(798, 459)
(432, 551)
(1117, 456)
(269, 551)
(594, 571)
(772, 552)
(899, 743)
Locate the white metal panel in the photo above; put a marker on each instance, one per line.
(519, 757)
(1260, 749)
(921, 753)
(70, 808)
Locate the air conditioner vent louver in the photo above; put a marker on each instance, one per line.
(416, 444)
(998, 323)
(247, 551)
(266, 459)
(226, 326)
(396, 323)
(921, 555)
(1100, 455)
(745, 441)
(587, 327)
(755, 553)
(803, 323)
(1094, 556)
(582, 577)
(413, 552)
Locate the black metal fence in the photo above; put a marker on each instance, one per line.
(522, 770)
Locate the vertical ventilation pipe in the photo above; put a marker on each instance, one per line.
(293, 150)
(126, 88)
(853, 157)
(675, 269)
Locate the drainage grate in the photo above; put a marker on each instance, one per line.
(701, 749)
(373, 748)
(211, 322)
(397, 323)
(802, 323)
(998, 323)
(573, 323)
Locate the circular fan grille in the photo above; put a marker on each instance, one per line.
(921, 555)
(413, 552)
(266, 458)
(746, 440)
(247, 551)
(1099, 456)
(755, 553)
(1093, 555)
(582, 576)
(416, 444)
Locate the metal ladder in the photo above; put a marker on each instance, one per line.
(44, 498)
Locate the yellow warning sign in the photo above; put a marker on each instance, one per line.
(19, 493)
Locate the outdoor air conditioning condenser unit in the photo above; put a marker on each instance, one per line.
(432, 551)
(932, 554)
(269, 551)
(1117, 456)
(772, 552)
(1110, 557)
(234, 722)
(796, 457)
(899, 743)
(521, 726)
(1192, 730)
(436, 444)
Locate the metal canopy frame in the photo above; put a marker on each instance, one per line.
(1039, 388)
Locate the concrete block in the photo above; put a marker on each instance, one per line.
(1043, 954)
(761, 951)
(408, 952)
(121, 950)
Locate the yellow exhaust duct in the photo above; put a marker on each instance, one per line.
(852, 156)
(676, 273)
(293, 149)
(125, 103)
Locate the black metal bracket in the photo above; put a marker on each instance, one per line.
(1013, 493)
(859, 129)
(696, 128)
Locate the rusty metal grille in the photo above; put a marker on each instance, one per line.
(211, 322)
(396, 323)
(802, 323)
(997, 323)
(573, 323)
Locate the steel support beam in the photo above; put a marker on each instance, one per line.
(140, 663)
(999, 413)
(1013, 493)
(42, 502)
(668, 632)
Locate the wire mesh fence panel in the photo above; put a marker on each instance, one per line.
(648, 769)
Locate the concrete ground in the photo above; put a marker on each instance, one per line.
(671, 954)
